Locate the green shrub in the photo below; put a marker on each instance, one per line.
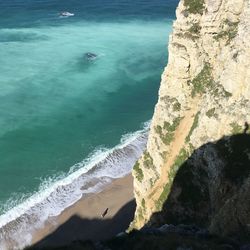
(202, 81)
(179, 160)
(158, 129)
(188, 35)
(148, 160)
(210, 112)
(194, 125)
(164, 155)
(176, 106)
(230, 31)
(195, 28)
(191, 148)
(140, 214)
(163, 197)
(167, 138)
(175, 124)
(138, 172)
(143, 204)
(151, 182)
(236, 129)
(194, 6)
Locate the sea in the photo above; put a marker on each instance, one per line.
(77, 94)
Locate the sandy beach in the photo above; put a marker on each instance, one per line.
(83, 220)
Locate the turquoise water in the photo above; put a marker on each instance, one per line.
(57, 107)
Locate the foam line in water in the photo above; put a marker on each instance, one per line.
(85, 177)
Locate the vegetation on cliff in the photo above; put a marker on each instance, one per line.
(195, 6)
(229, 31)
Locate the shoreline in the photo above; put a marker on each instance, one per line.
(41, 215)
(83, 220)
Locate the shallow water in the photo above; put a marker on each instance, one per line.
(56, 106)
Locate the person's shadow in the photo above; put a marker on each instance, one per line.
(246, 128)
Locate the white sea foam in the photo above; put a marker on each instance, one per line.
(55, 195)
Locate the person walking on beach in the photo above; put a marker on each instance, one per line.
(105, 212)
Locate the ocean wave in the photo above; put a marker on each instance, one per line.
(56, 194)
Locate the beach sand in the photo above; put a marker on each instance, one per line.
(83, 220)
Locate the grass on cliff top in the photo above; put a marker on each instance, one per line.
(194, 6)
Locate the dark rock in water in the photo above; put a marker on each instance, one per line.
(90, 56)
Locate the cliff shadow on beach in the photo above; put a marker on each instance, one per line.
(84, 229)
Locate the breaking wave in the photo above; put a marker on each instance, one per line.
(56, 194)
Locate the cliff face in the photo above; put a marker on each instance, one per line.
(204, 99)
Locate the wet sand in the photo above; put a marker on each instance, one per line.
(83, 220)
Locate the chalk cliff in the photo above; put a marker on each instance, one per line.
(197, 163)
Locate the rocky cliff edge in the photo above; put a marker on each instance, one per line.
(200, 124)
